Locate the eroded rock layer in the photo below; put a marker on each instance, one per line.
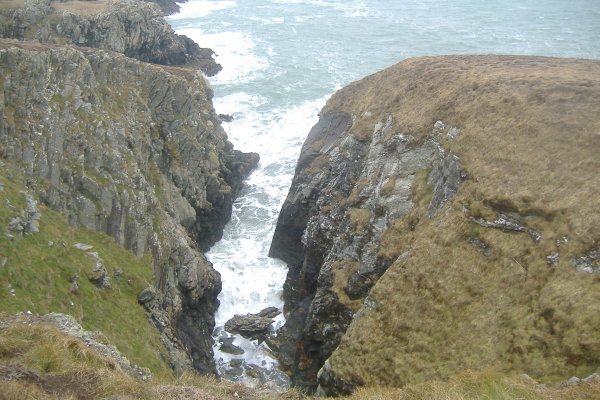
(439, 220)
(134, 150)
(133, 27)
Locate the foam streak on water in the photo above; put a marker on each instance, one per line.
(281, 60)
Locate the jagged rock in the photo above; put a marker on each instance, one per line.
(28, 222)
(269, 312)
(227, 346)
(134, 28)
(250, 326)
(98, 274)
(588, 263)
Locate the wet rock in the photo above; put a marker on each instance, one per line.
(227, 346)
(250, 326)
(225, 117)
(269, 312)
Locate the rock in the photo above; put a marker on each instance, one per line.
(481, 245)
(225, 117)
(28, 222)
(589, 263)
(227, 346)
(83, 246)
(594, 376)
(134, 28)
(552, 260)
(573, 381)
(249, 326)
(98, 274)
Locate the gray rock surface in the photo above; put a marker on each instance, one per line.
(252, 326)
(136, 151)
(132, 27)
(346, 192)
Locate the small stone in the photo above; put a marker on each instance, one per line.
(50, 243)
(83, 246)
(4, 260)
(593, 376)
(9, 236)
(573, 381)
(117, 273)
(553, 260)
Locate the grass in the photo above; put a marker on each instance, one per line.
(486, 385)
(39, 362)
(41, 276)
(528, 145)
(11, 4)
(85, 8)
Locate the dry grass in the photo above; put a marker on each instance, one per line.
(529, 142)
(481, 385)
(39, 362)
(11, 4)
(85, 8)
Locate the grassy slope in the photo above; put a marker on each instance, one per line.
(529, 143)
(41, 278)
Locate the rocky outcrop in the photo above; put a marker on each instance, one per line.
(94, 340)
(424, 207)
(134, 28)
(136, 151)
(252, 326)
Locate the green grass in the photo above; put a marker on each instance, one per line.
(41, 277)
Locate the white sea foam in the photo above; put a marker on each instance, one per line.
(234, 51)
(251, 280)
(200, 8)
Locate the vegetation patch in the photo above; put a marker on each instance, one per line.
(43, 273)
(85, 8)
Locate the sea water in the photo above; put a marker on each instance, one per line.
(283, 58)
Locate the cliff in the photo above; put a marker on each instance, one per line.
(444, 216)
(136, 151)
(134, 28)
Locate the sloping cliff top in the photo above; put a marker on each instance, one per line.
(514, 112)
(465, 189)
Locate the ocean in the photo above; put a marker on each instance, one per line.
(282, 59)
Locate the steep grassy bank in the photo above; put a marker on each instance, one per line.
(44, 272)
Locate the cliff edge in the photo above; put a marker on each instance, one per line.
(443, 217)
(133, 27)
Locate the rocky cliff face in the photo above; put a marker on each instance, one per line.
(134, 150)
(464, 188)
(134, 28)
